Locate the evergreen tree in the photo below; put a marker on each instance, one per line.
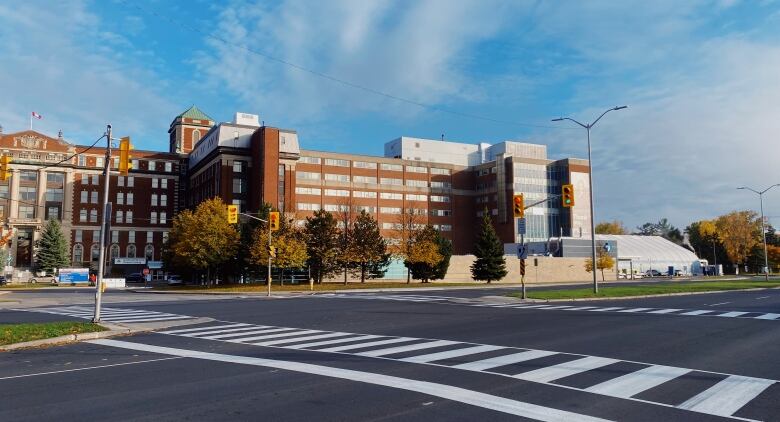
(52, 248)
(322, 244)
(368, 250)
(490, 263)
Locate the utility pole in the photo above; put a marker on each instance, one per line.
(103, 234)
(763, 228)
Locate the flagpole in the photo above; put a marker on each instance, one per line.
(30, 120)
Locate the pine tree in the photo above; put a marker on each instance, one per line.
(368, 249)
(322, 244)
(52, 248)
(490, 263)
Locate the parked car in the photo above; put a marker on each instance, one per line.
(175, 280)
(653, 273)
(50, 279)
(134, 278)
(3, 280)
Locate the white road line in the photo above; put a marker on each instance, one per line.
(605, 309)
(451, 354)
(732, 314)
(147, 319)
(769, 316)
(409, 348)
(192, 330)
(696, 312)
(448, 392)
(537, 306)
(87, 368)
(636, 310)
(369, 344)
(269, 336)
(762, 297)
(497, 361)
(728, 396)
(336, 341)
(141, 316)
(721, 303)
(581, 308)
(562, 370)
(293, 340)
(248, 329)
(664, 311)
(559, 307)
(636, 382)
(244, 332)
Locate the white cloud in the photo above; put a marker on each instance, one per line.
(60, 61)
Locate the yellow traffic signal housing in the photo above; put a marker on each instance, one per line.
(273, 219)
(567, 196)
(232, 214)
(518, 206)
(125, 163)
(5, 172)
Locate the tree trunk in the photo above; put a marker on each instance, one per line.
(208, 277)
(408, 276)
(362, 273)
(345, 275)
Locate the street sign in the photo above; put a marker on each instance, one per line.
(146, 271)
(521, 225)
(607, 247)
(522, 251)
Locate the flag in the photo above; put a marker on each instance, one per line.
(37, 116)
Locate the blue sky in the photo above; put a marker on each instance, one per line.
(700, 79)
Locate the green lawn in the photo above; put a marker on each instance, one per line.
(24, 286)
(18, 333)
(238, 288)
(666, 288)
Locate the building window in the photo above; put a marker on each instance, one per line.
(149, 237)
(439, 198)
(363, 165)
(84, 197)
(131, 236)
(389, 181)
(94, 197)
(238, 166)
(435, 170)
(28, 193)
(310, 160)
(239, 185)
(84, 179)
(165, 237)
(82, 160)
(364, 179)
(149, 253)
(153, 218)
(115, 163)
(78, 236)
(54, 194)
(119, 216)
(363, 194)
(120, 198)
(390, 210)
(135, 165)
(163, 200)
(154, 199)
(195, 136)
(152, 165)
(390, 195)
(129, 217)
(417, 183)
(307, 175)
(131, 251)
(99, 161)
(241, 204)
(26, 211)
(114, 236)
(416, 169)
(95, 179)
(83, 215)
(336, 162)
(93, 216)
(131, 180)
(168, 167)
(337, 177)
(336, 192)
(441, 213)
(163, 217)
(120, 181)
(164, 183)
(78, 254)
(391, 167)
(94, 253)
(307, 191)
(154, 183)
(130, 198)
(114, 251)
(441, 185)
(308, 206)
(53, 213)
(413, 197)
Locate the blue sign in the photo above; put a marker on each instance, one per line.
(74, 275)
(607, 247)
(521, 226)
(522, 251)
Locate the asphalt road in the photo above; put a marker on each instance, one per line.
(409, 356)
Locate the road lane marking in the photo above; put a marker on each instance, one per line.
(697, 312)
(336, 341)
(452, 354)
(763, 297)
(448, 392)
(728, 396)
(718, 304)
(636, 382)
(636, 310)
(732, 314)
(580, 308)
(565, 369)
(88, 368)
(369, 344)
(408, 348)
(233, 331)
(190, 330)
(769, 316)
(269, 336)
(497, 361)
(297, 339)
(614, 308)
(664, 311)
(261, 329)
(109, 314)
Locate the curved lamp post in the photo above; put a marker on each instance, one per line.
(587, 127)
(763, 229)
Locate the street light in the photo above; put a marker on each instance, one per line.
(763, 230)
(590, 185)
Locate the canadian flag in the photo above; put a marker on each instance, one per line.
(37, 116)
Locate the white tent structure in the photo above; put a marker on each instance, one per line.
(638, 254)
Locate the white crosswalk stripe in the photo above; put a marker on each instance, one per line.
(108, 314)
(552, 307)
(723, 399)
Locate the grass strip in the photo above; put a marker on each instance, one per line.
(18, 333)
(660, 289)
(238, 288)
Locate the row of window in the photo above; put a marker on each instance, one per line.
(78, 236)
(371, 165)
(78, 252)
(120, 217)
(370, 195)
(93, 179)
(304, 175)
(151, 164)
(399, 226)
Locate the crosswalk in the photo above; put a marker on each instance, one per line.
(117, 315)
(705, 392)
(549, 306)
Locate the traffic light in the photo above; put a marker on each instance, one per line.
(125, 164)
(5, 172)
(273, 218)
(272, 251)
(232, 214)
(518, 206)
(567, 196)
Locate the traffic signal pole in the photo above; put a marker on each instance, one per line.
(269, 248)
(103, 234)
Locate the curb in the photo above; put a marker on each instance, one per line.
(585, 299)
(114, 330)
